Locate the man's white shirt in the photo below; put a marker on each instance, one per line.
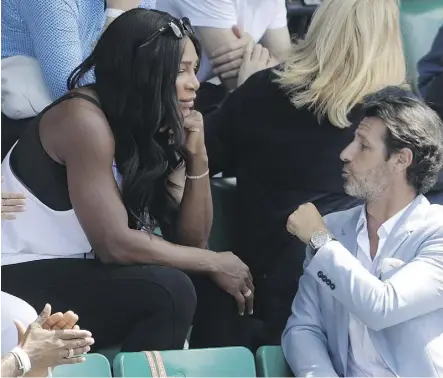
(363, 359)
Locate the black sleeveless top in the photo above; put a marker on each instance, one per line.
(45, 178)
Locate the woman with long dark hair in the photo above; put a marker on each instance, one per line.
(103, 168)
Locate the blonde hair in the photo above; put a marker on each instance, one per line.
(352, 48)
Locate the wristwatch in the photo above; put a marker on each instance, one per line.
(319, 239)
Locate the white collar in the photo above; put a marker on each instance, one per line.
(387, 227)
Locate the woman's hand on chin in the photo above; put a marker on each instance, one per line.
(195, 137)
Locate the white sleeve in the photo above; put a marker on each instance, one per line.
(280, 20)
(208, 13)
(382, 304)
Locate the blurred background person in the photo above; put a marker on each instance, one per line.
(224, 28)
(281, 134)
(43, 41)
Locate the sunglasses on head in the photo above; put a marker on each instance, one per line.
(181, 28)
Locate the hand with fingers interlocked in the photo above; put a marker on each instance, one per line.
(53, 340)
(59, 320)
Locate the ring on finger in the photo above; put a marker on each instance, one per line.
(247, 293)
(71, 353)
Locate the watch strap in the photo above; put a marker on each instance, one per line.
(22, 359)
(315, 249)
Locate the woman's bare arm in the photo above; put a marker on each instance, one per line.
(85, 144)
(195, 217)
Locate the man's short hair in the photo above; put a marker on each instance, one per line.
(410, 124)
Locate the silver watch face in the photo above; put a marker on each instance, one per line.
(320, 238)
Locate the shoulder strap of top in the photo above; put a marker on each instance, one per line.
(69, 96)
(85, 97)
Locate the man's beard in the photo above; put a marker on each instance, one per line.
(369, 186)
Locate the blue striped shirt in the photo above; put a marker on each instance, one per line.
(60, 34)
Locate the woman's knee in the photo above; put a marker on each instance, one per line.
(180, 289)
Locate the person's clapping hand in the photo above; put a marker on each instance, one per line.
(59, 320)
(49, 348)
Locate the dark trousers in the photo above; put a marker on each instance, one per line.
(274, 294)
(140, 307)
(144, 307)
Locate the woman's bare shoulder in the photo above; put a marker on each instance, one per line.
(76, 121)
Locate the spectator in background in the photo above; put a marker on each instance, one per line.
(281, 134)
(225, 27)
(431, 87)
(43, 41)
(430, 67)
(59, 34)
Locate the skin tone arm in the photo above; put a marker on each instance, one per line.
(212, 40)
(84, 143)
(46, 348)
(195, 217)
(10, 366)
(229, 59)
(278, 42)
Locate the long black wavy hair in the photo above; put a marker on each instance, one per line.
(137, 93)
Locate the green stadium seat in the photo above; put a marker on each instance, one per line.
(213, 362)
(110, 352)
(95, 365)
(420, 21)
(271, 362)
(224, 202)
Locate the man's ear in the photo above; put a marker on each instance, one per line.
(404, 159)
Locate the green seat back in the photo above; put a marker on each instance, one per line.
(95, 365)
(224, 202)
(271, 362)
(214, 362)
(420, 21)
(110, 352)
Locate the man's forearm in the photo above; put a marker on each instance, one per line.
(195, 217)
